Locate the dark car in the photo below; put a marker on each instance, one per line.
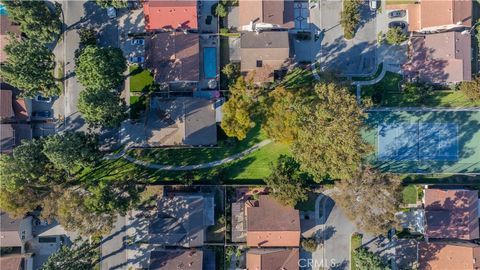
(43, 114)
(397, 14)
(397, 24)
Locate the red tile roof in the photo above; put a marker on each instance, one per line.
(440, 256)
(451, 214)
(170, 14)
(6, 108)
(272, 259)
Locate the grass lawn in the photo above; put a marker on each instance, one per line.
(410, 194)
(355, 242)
(140, 78)
(137, 105)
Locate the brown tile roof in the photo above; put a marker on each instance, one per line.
(451, 214)
(440, 256)
(271, 224)
(19, 104)
(173, 56)
(6, 27)
(12, 134)
(278, 12)
(272, 259)
(12, 262)
(170, 14)
(440, 58)
(6, 108)
(9, 235)
(176, 259)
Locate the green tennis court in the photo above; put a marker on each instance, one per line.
(424, 141)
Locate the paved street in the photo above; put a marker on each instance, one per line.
(350, 57)
(114, 253)
(75, 17)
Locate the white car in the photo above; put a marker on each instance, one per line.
(373, 5)
(43, 99)
(138, 41)
(136, 59)
(111, 12)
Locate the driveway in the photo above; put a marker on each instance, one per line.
(350, 57)
(113, 251)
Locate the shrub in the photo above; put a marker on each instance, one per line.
(471, 89)
(350, 17)
(417, 92)
(395, 36)
(219, 10)
(309, 244)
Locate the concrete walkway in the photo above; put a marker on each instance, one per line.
(123, 154)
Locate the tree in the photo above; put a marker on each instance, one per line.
(286, 182)
(232, 72)
(367, 260)
(280, 115)
(395, 36)
(309, 244)
(370, 199)
(29, 67)
(221, 10)
(37, 20)
(329, 143)
(471, 89)
(70, 150)
(238, 111)
(350, 17)
(102, 108)
(78, 256)
(417, 92)
(112, 3)
(100, 68)
(88, 36)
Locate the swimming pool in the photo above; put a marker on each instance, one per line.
(210, 62)
(3, 10)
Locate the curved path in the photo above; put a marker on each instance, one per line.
(211, 164)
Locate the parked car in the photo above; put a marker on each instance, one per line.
(136, 59)
(373, 5)
(398, 24)
(111, 12)
(397, 14)
(138, 41)
(43, 99)
(44, 114)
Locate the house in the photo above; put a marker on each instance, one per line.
(448, 257)
(13, 107)
(15, 262)
(433, 16)
(185, 259)
(181, 121)
(451, 214)
(263, 54)
(6, 107)
(7, 27)
(272, 259)
(11, 135)
(266, 14)
(181, 221)
(14, 233)
(173, 57)
(440, 58)
(271, 224)
(170, 14)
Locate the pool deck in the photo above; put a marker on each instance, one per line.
(468, 140)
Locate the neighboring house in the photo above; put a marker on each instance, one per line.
(181, 121)
(434, 16)
(272, 259)
(451, 214)
(266, 14)
(7, 27)
(170, 14)
(190, 259)
(181, 221)
(448, 257)
(14, 233)
(263, 54)
(15, 262)
(174, 57)
(440, 58)
(270, 224)
(11, 136)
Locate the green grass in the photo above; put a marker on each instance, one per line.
(355, 242)
(137, 105)
(369, 78)
(140, 78)
(410, 194)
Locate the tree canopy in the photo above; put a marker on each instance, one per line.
(395, 36)
(100, 68)
(367, 260)
(112, 3)
(329, 141)
(286, 183)
(238, 111)
(78, 256)
(370, 199)
(350, 17)
(37, 20)
(29, 67)
(471, 88)
(102, 108)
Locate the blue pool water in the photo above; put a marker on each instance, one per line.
(3, 10)
(210, 62)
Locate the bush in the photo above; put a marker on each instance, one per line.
(471, 89)
(88, 36)
(223, 30)
(219, 10)
(350, 17)
(309, 244)
(395, 36)
(417, 92)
